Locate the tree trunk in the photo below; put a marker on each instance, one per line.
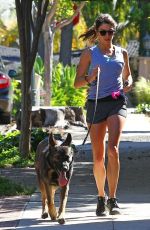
(48, 62)
(41, 47)
(66, 44)
(24, 144)
(28, 50)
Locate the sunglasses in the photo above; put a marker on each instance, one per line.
(104, 32)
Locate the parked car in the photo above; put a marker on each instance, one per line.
(6, 97)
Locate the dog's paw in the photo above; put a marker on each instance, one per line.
(52, 212)
(53, 215)
(53, 218)
(61, 220)
(44, 215)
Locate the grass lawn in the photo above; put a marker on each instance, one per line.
(9, 188)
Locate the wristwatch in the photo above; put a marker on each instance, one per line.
(126, 83)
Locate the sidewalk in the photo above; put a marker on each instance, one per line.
(134, 204)
(133, 189)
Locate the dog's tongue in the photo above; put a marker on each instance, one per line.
(62, 179)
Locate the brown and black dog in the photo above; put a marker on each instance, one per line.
(54, 167)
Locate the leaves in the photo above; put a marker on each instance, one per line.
(64, 9)
(9, 188)
(142, 90)
(16, 97)
(39, 66)
(143, 108)
(63, 91)
(9, 148)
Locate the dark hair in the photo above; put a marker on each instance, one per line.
(90, 34)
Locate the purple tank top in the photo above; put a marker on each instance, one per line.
(110, 74)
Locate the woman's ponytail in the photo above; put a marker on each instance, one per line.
(89, 35)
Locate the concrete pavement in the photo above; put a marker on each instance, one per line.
(133, 189)
(134, 204)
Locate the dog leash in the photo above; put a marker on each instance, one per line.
(98, 77)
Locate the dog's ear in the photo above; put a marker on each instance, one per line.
(52, 141)
(68, 140)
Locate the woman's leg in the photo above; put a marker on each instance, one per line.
(115, 125)
(97, 135)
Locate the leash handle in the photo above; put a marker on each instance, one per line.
(98, 77)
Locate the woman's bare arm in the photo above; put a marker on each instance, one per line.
(127, 73)
(82, 78)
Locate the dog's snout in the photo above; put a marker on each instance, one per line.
(65, 166)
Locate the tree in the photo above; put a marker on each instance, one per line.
(51, 25)
(66, 40)
(66, 44)
(29, 33)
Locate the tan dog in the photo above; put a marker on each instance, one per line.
(54, 167)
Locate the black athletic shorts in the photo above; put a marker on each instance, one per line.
(106, 107)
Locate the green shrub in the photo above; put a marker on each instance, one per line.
(142, 91)
(9, 188)
(9, 148)
(142, 94)
(39, 66)
(63, 91)
(16, 96)
(37, 135)
(143, 108)
(9, 140)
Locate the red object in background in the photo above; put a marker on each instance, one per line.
(4, 81)
(76, 19)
